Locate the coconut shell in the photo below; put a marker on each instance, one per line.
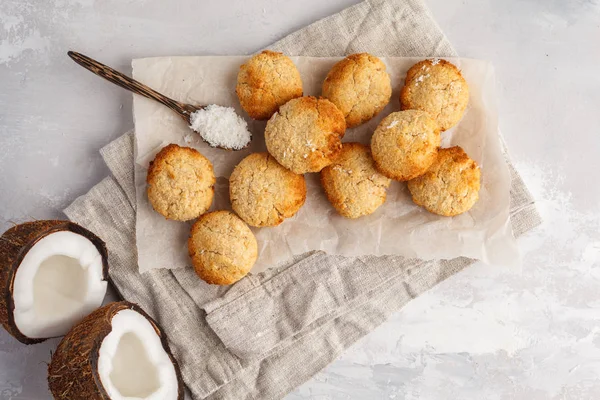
(14, 244)
(73, 370)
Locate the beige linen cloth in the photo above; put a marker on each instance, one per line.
(267, 334)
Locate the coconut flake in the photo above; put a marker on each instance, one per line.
(435, 61)
(311, 146)
(393, 124)
(342, 169)
(221, 127)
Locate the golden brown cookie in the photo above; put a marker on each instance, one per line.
(264, 193)
(180, 183)
(305, 134)
(450, 186)
(436, 86)
(222, 247)
(359, 86)
(352, 184)
(405, 144)
(266, 82)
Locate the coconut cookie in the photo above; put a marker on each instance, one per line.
(267, 81)
(222, 247)
(352, 184)
(405, 144)
(264, 193)
(180, 183)
(438, 87)
(305, 134)
(359, 86)
(450, 186)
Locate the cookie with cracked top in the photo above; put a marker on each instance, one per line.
(180, 183)
(263, 192)
(352, 184)
(359, 86)
(266, 82)
(405, 144)
(438, 87)
(450, 186)
(222, 247)
(305, 134)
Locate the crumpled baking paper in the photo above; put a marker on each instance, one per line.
(398, 227)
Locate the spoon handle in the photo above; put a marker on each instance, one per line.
(131, 84)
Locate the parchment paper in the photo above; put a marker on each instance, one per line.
(398, 227)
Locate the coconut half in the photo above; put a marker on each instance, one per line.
(52, 274)
(118, 352)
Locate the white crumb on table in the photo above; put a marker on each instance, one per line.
(221, 127)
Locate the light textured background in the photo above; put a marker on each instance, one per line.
(486, 333)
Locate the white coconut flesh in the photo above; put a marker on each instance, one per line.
(132, 363)
(58, 282)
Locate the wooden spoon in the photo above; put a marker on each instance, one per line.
(185, 111)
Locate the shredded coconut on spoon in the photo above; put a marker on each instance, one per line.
(221, 127)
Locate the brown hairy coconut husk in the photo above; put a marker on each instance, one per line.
(73, 373)
(15, 244)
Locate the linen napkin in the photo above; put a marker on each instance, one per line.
(268, 333)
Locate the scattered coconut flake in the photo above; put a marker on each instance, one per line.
(393, 124)
(435, 61)
(305, 156)
(339, 168)
(187, 138)
(455, 86)
(221, 127)
(421, 77)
